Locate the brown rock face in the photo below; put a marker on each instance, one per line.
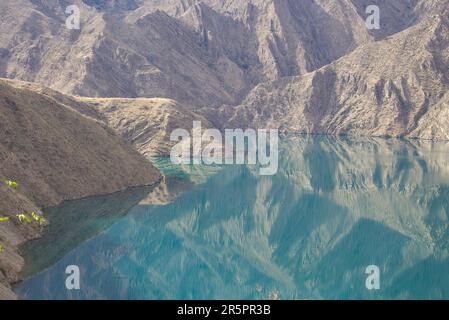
(311, 66)
(394, 87)
(200, 53)
(145, 123)
(55, 154)
(43, 141)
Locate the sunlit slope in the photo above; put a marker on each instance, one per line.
(394, 87)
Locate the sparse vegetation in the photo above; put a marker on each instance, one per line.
(11, 184)
(23, 218)
(38, 218)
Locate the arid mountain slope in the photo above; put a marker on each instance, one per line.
(31, 128)
(392, 87)
(145, 123)
(153, 55)
(276, 38)
(55, 154)
(199, 53)
(434, 124)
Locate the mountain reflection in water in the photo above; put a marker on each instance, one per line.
(336, 206)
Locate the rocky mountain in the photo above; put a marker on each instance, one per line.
(145, 123)
(394, 87)
(200, 53)
(112, 55)
(54, 153)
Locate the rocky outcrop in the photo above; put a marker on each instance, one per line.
(55, 154)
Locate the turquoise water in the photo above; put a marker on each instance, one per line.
(335, 207)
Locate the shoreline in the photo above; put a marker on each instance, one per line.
(8, 293)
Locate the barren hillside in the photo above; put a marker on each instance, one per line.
(394, 87)
(199, 53)
(145, 123)
(55, 154)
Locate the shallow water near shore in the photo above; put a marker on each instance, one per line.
(335, 207)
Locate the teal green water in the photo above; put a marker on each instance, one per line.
(335, 207)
